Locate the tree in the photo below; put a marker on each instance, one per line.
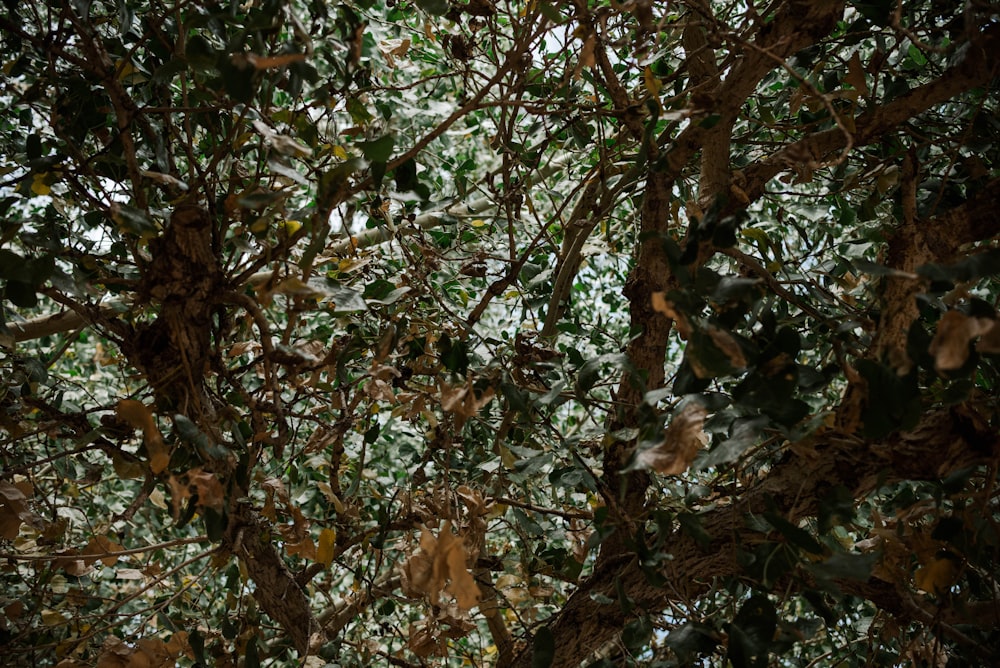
(507, 333)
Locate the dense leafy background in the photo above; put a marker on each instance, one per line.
(499, 333)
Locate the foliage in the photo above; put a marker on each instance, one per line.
(499, 333)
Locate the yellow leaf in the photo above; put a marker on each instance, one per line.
(653, 84)
(939, 574)
(326, 548)
(339, 152)
(38, 184)
(52, 618)
(259, 225)
(756, 234)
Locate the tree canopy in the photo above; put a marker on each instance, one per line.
(499, 333)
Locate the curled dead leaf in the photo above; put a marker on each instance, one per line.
(462, 402)
(138, 416)
(682, 440)
(439, 565)
(955, 330)
(728, 344)
(13, 510)
(198, 484)
(661, 304)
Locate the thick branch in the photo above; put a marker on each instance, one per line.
(944, 441)
(976, 69)
(276, 590)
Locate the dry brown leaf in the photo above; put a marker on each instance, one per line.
(461, 401)
(682, 440)
(728, 344)
(196, 482)
(103, 549)
(955, 330)
(138, 415)
(271, 62)
(14, 509)
(587, 57)
(856, 76)
(662, 305)
(461, 584)
(425, 642)
(989, 344)
(439, 566)
(394, 48)
(305, 548)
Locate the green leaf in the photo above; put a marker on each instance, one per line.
(435, 7)
(215, 523)
(751, 633)
(345, 300)
(691, 525)
(836, 507)
(543, 648)
(876, 11)
(796, 536)
(691, 640)
(133, 221)
(893, 400)
(636, 634)
(971, 268)
(454, 354)
(20, 294)
(390, 297)
(744, 434)
(845, 566)
(378, 150)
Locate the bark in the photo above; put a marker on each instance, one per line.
(942, 442)
(279, 595)
(977, 68)
(945, 441)
(185, 280)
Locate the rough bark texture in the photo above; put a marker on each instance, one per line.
(248, 538)
(942, 442)
(185, 280)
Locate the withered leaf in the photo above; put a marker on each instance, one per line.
(461, 401)
(104, 549)
(138, 415)
(439, 566)
(661, 304)
(856, 76)
(727, 343)
(682, 440)
(955, 330)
